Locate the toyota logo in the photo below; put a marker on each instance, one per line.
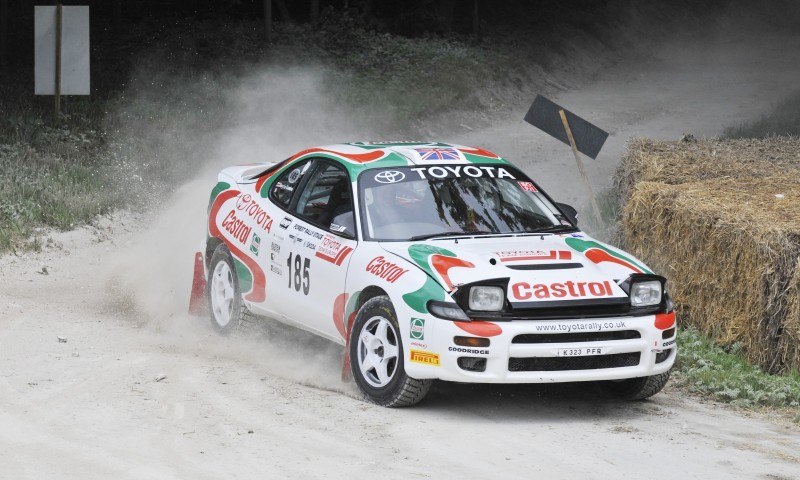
(389, 176)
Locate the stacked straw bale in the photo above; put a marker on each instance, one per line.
(721, 220)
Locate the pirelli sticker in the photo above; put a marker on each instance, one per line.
(425, 358)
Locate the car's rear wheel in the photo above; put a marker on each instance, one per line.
(638, 388)
(377, 359)
(228, 313)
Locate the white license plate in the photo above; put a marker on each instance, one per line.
(580, 352)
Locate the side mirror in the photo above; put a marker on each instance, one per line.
(569, 211)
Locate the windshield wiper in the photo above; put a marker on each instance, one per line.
(554, 229)
(449, 234)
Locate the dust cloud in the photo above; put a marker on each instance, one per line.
(264, 116)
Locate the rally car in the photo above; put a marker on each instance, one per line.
(430, 261)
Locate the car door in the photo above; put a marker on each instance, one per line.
(317, 240)
(270, 248)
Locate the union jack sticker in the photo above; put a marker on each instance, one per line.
(438, 153)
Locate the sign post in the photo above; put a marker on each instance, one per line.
(580, 135)
(59, 19)
(581, 169)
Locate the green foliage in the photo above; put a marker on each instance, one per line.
(723, 373)
(41, 189)
(783, 120)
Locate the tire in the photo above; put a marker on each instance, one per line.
(226, 309)
(376, 347)
(638, 388)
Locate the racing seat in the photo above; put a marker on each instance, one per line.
(339, 203)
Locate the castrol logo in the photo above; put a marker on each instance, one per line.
(569, 289)
(385, 269)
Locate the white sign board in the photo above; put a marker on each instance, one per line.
(74, 50)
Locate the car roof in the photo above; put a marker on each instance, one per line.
(360, 156)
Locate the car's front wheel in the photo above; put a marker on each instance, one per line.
(228, 314)
(638, 388)
(377, 359)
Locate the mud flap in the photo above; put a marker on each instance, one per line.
(347, 374)
(197, 300)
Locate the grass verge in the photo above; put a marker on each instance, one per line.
(38, 190)
(723, 374)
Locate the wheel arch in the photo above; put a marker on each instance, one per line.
(211, 244)
(367, 294)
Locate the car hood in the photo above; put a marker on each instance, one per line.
(539, 268)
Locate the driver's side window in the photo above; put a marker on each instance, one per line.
(326, 200)
(285, 185)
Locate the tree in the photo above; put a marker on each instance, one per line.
(3, 35)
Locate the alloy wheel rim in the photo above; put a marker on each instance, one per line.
(222, 294)
(378, 351)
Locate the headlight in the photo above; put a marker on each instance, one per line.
(486, 299)
(447, 311)
(644, 294)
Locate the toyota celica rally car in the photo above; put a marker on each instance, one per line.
(430, 261)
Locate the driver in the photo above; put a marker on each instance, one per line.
(402, 202)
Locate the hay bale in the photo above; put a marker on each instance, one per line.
(681, 162)
(729, 247)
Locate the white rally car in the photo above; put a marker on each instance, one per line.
(430, 261)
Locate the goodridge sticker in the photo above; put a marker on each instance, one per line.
(425, 358)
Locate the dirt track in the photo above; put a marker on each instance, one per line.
(91, 407)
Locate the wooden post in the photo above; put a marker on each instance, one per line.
(58, 61)
(580, 168)
(268, 19)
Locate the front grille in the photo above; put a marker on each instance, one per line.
(564, 311)
(576, 337)
(554, 364)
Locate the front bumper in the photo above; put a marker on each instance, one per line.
(631, 347)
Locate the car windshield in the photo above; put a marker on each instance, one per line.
(413, 203)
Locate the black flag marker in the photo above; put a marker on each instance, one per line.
(576, 132)
(544, 115)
